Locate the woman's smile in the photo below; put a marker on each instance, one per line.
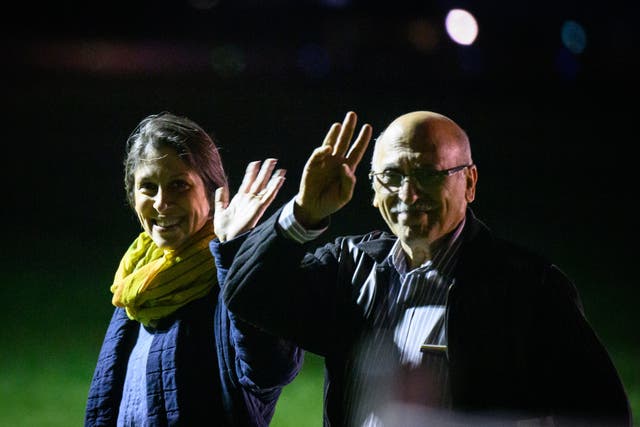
(170, 198)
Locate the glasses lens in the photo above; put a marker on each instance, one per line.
(427, 178)
(424, 179)
(392, 179)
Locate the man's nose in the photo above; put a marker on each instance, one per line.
(408, 192)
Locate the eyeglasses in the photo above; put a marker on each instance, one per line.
(424, 179)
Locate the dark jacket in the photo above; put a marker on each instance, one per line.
(204, 368)
(518, 341)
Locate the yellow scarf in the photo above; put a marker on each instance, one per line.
(151, 283)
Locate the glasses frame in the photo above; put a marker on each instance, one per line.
(434, 174)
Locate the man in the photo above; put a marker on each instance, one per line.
(439, 323)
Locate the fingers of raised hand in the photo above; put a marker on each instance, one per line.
(250, 174)
(356, 152)
(263, 177)
(273, 186)
(346, 133)
(318, 156)
(261, 185)
(332, 135)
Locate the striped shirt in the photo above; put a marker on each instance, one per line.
(413, 315)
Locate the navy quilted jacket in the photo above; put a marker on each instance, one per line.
(205, 367)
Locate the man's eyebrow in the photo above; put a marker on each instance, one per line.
(389, 166)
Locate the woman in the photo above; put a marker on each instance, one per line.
(172, 354)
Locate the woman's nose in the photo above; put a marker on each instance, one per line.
(161, 200)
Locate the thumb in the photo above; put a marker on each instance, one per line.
(221, 199)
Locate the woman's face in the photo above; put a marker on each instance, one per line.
(170, 198)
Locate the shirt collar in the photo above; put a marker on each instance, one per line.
(398, 259)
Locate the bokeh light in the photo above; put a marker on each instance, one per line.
(461, 26)
(423, 35)
(573, 36)
(335, 3)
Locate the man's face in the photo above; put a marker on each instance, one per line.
(423, 207)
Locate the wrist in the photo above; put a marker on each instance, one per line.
(304, 218)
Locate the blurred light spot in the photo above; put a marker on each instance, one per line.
(314, 60)
(228, 60)
(423, 35)
(335, 3)
(573, 37)
(461, 26)
(108, 57)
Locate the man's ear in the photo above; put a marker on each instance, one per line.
(472, 179)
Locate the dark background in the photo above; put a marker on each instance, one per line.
(553, 131)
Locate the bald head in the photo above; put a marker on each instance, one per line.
(434, 135)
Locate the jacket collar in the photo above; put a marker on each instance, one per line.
(379, 247)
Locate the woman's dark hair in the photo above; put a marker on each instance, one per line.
(194, 146)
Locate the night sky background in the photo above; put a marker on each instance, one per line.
(553, 129)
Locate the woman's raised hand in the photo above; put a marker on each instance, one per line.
(258, 189)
